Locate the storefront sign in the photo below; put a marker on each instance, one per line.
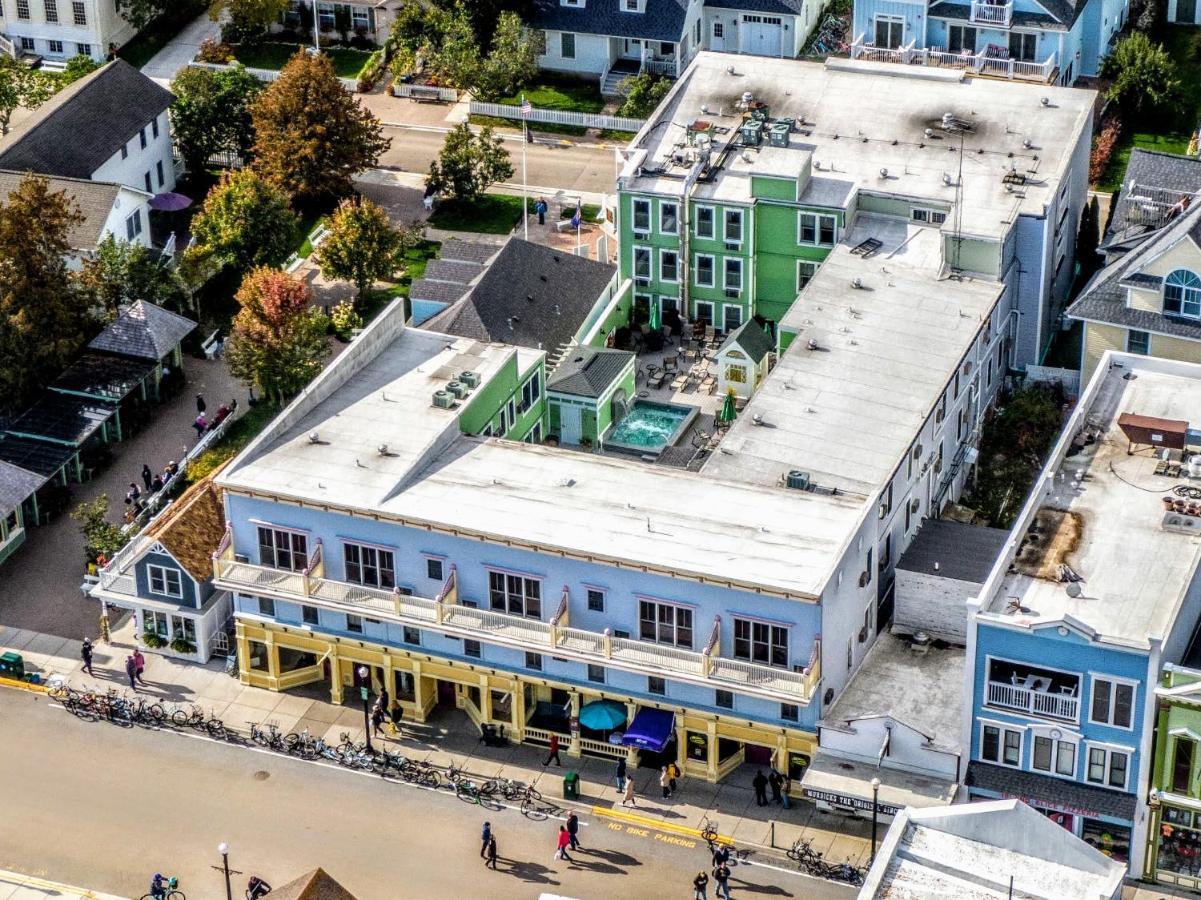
(852, 802)
(1040, 803)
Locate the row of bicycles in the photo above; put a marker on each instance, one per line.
(129, 710)
(812, 863)
(830, 36)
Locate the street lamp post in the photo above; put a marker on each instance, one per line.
(223, 849)
(875, 814)
(363, 674)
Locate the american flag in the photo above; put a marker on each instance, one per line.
(526, 108)
(576, 219)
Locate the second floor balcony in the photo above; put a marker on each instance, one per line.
(987, 62)
(998, 15)
(1031, 690)
(446, 614)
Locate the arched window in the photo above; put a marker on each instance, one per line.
(1182, 294)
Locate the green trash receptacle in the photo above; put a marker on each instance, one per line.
(571, 786)
(12, 665)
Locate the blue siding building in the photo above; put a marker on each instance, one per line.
(1096, 591)
(1032, 40)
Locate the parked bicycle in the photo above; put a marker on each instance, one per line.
(355, 756)
(268, 737)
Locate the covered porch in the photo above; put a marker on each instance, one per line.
(632, 56)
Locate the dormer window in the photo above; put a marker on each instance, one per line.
(1182, 294)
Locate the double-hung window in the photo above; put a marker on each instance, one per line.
(22, 9)
(804, 273)
(665, 623)
(282, 549)
(370, 566)
(1001, 745)
(760, 642)
(816, 230)
(567, 45)
(642, 263)
(1138, 342)
(516, 594)
(704, 222)
(1108, 766)
(133, 225)
(669, 218)
(733, 273)
(79, 13)
(703, 270)
(669, 265)
(1112, 703)
(165, 582)
(531, 392)
(52, 11)
(733, 226)
(642, 216)
(1054, 755)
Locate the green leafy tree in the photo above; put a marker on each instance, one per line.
(642, 94)
(485, 15)
(419, 29)
(278, 339)
(101, 537)
(120, 272)
(248, 19)
(311, 135)
(76, 67)
(1087, 239)
(362, 246)
(211, 113)
(21, 86)
(468, 164)
(1144, 77)
(455, 55)
(246, 221)
(140, 13)
(43, 308)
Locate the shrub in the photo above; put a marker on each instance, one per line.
(152, 639)
(371, 72)
(1104, 144)
(345, 320)
(213, 51)
(181, 644)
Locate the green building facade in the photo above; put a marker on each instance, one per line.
(1174, 835)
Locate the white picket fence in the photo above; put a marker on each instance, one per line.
(556, 116)
(265, 75)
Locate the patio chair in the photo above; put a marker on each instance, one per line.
(710, 334)
(679, 382)
(671, 364)
(656, 380)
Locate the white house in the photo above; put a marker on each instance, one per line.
(109, 126)
(613, 39)
(60, 29)
(371, 19)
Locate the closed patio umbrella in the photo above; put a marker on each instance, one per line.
(655, 324)
(727, 411)
(602, 715)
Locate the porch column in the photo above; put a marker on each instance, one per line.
(517, 704)
(389, 678)
(335, 676)
(272, 661)
(681, 741)
(243, 654)
(631, 752)
(485, 700)
(713, 757)
(573, 748)
(418, 689)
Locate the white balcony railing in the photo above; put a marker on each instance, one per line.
(999, 15)
(980, 63)
(660, 67)
(516, 631)
(1038, 703)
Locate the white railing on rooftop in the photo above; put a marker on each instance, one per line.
(996, 14)
(1038, 703)
(527, 634)
(980, 63)
(660, 67)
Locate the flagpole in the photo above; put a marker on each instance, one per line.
(525, 190)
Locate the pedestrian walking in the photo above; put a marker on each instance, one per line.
(760, 785)
(554, 751)
(629, 793)
(134, 492)
(156, 484)
(700, 886)
(673, 772)
(485, 838)
(540, 208)
(621, 775)
(721, 855)
(775, 781)
(201, 406)
(573, 830)
(564, 841)
(85, 653)
(131, 670)
(787, 788)
(139, 664)
(147, 476)
(200, 425)
(377, 719)
(665, 782)
(490, 860)
(721, 875)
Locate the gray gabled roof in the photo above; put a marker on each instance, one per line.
(458, 250)
(437, 291)
(663, 20)
(95, 200)
(83, 125)
(588, 371)
(1161, 178)
(143, 330)
(452, 270)
(779, 7)
(16, 484)
(751, 338)
(962, 552)
(1059, 15)
(531, 296)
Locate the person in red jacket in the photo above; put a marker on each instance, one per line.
(554, 751)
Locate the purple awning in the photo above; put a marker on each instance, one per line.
(650, 730)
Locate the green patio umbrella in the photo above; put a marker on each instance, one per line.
(654, 324)
(727, 412)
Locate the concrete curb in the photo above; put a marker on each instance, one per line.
(634, 819)
(16, 685)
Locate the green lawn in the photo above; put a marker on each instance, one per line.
(307, 226)
(244, 429)
(544, 127)
(490, 214)
(549, 92)
(589, 211)
(151, 39)
(271, 55)
(1173, 137)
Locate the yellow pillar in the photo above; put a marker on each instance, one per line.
(631, 752)
(517, 730)
(712, 761)
(272, 661)
(485, 700)
(335, 677)
(389, 677)
(681, 742)
(573, 748)
(243, 654)
(781, 758)
(418, 690)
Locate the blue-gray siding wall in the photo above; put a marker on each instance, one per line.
(191, 597)
(913, 13)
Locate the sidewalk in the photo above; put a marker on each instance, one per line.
(449, 738)
(166, 64)
(14, 886)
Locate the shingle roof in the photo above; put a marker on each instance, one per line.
(1104, 297)
(531, 295)
(588, 371)
(779, 7)
(438, 291)
(751, 338)
(452, 270)
(663, 20)
(963, 552)
(95, 200)
(192, 528)
(1160, 172)
(1030, 786)
(467, 251)
(1059, 16)
(15, 485)
(143, 330)
(316, 885)
(83, 125)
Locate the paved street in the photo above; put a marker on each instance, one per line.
(165, 64)
(107, 807)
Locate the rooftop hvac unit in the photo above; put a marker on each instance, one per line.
(469, 378)
(798, 481)
(444, 399)
(459, 389)
(778, 135)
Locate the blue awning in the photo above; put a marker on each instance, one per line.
(650, 730)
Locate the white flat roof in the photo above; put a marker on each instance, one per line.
(861, 117)
(1135, 572)
(847, 412)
